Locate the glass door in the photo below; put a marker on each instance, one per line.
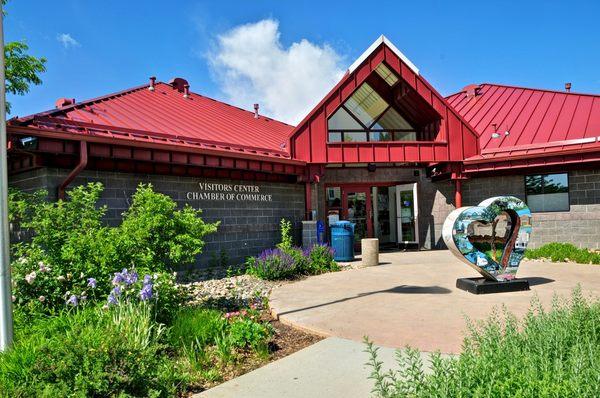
(384, 213)
(357, 209)
(407, 210)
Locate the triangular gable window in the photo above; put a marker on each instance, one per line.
(366, 104)
(367, 116)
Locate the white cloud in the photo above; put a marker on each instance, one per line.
(252, 65)
(67, 40)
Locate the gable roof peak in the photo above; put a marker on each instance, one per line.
(382, 39)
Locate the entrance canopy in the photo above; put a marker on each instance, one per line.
(383, 111)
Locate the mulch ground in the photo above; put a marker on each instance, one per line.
(288, 340)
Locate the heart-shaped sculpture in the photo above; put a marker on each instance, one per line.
(491, 237)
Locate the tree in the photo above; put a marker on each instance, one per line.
(21, 69)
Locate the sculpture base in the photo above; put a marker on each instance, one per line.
(484, 286)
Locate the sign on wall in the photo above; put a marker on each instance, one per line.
(229, 192)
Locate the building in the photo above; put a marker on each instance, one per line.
(383, 148)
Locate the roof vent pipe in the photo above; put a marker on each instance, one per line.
(64, 102)
(568, 87)
(186, 91)
(256, 111)
(152, 83)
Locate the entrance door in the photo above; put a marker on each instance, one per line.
(384, 214)
(407, 213)
(357, 209)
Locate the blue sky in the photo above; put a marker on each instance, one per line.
(253, 51)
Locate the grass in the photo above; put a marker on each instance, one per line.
(123, 351)
(563, 252)
(551, 353)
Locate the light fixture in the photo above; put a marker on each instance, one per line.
(30, 143)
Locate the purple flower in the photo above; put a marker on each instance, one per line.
(146, 292)
(118, 278)
(112, 300)
(92, 283)
(116, 291)
(130, 278)
(73, 301)
(147, 279)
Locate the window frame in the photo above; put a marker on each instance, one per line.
(367, 130)
(543, 181)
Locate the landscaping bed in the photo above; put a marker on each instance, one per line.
(100, 312)
(563, 252)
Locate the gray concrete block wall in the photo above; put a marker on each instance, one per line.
(580, 225)
(247, 227)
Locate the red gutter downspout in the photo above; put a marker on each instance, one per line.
(308, 204)
(83, 159)
(458, 193)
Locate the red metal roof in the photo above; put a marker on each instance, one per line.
(539, 122)
(165, 115)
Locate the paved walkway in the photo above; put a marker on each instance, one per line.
(411, 299)
(330, 368)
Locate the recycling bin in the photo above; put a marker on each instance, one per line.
(342, 240)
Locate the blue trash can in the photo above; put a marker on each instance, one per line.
(342, 240)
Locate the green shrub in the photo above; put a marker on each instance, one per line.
(156, 235)
(564, 252)
(71, 244)
(274, 264)
(319, 259)
(548, 354)
(245, 332)
(287, 261)
(90, 352)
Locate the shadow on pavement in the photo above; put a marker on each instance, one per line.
(402, 289)
(538, 280)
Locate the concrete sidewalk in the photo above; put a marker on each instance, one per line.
(412, 299)
(331, 368)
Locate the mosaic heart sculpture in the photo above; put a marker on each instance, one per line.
(491, 237)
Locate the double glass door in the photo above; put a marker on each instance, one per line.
(385, 212)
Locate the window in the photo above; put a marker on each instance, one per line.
(547, 192)
(386, 74)
(367, 116)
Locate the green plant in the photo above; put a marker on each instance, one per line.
(71, 243)
(245, 332)
(319, 259)
(547, 354)
(90, 352)
(564, 252)
(273, 264)
(287, 241)
(155, 234)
